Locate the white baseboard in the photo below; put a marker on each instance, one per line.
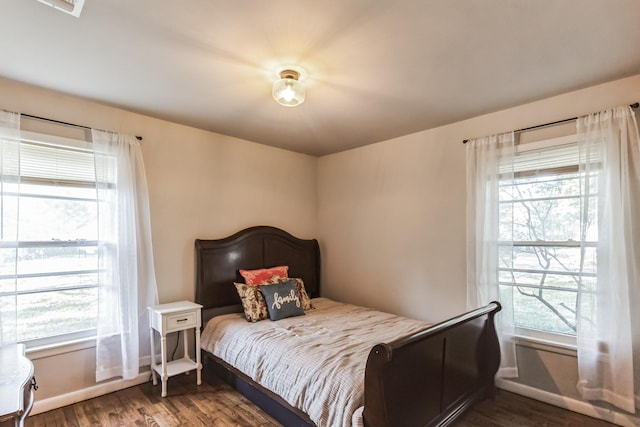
(59, 401)
(569, 403)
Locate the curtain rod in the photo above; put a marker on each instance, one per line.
(635, 105)
(139, 138)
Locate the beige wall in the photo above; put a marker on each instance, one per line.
(391, 225)
(201, 185)
(392, 222)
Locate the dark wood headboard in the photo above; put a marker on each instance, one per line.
(218, 262)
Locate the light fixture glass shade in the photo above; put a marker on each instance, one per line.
(72, 7)
(288, 91)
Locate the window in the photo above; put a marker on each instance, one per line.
(49, 233)
(546, 251)
(552, 234)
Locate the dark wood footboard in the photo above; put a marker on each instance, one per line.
(431, 377)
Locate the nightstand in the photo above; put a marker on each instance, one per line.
(175, 317)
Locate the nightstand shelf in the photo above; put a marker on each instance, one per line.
(176, 367)
(169, 318)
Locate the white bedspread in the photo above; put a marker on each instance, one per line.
(316, 362)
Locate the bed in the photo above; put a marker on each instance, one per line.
(425, 378)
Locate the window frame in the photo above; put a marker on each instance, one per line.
(84, 338)
(527, 334)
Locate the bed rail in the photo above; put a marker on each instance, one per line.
(429, 378)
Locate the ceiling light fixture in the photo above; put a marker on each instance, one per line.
(288, 91)
(72, 7)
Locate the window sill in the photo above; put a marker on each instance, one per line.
(44, 351)
(547, 345)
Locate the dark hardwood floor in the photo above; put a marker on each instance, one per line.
(217, 405)
(186, 404)
(509, 409)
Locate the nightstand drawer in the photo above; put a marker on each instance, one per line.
(183, 320)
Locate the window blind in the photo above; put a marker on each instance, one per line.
(35, 162)
(548, 158)
(56, 164)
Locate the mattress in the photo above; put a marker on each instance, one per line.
(315, 362)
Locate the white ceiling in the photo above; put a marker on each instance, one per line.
(375, 69)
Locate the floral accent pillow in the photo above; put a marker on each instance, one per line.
(283, 299)
(257, 277)
(304, 297)
(255, 308)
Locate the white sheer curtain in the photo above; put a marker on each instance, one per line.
(9, 187)
(127, 282)
(610, 147)
(486, 160)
